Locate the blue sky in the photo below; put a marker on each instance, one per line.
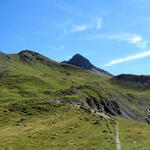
(113, 34)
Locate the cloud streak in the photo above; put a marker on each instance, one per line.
(77, 28)
(96, 23)
(128, 58)
(99, 22)
(128, 37)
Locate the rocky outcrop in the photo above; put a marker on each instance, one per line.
(29, 56)
(111, 107)
(32, 53)
(107, 106)
(117, 104)
(80, 61)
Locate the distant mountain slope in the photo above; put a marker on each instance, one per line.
(80, 61)
(140, 82)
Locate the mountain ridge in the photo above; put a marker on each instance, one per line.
(80, 61)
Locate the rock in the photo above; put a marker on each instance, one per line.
(104, 131)
(52, 138)
(111, 107)
(75, 146)
(30, 114)
(80, 61)
(66, 132)
(80, 137)
(147, 120)
(96, 122)
(148, 112)
(28, 56)
(77, 106)
(23, 119)
(5, 110)
(25, 57)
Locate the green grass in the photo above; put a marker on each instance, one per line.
(52, 127)
(133, 135)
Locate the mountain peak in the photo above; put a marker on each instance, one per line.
(77, 55)
(80, 61)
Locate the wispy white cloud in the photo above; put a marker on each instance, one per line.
(78, 28)
(57, 48)
(99, 22)
(128, 58)
(95, 23)
(128, 37)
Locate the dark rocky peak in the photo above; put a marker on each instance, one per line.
(80, 61)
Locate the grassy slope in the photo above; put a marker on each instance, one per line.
(53, 126)
(133, 135)
(62, 126)
(49, 126)
(137, 100)
(34, 79)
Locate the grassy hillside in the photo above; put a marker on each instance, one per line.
(133, 135)
(43, 125)
(37, 107)
(37, 124)
(22, 78)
